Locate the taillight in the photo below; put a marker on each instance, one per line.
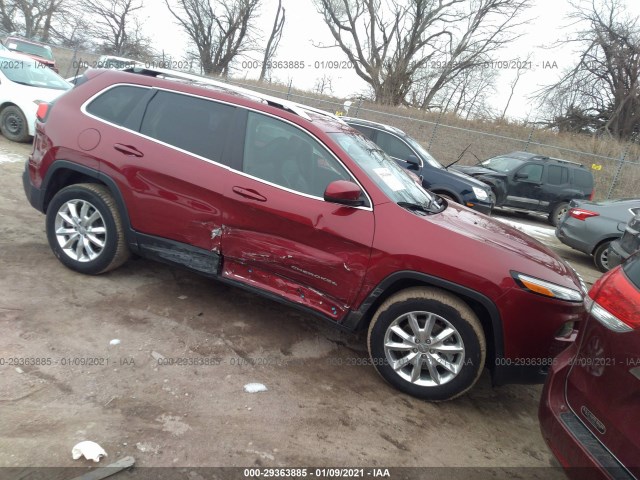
(615, 302)
(582, 214)
(43, 111)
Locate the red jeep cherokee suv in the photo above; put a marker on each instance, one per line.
(290, 202)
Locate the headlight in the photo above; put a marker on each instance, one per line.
(480, 193)
(547, 289)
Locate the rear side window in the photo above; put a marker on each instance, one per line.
(557, 175)
(583, 179)
(193, 124)
(393, 146)
(116, 104)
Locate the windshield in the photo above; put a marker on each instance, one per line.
(502, 164)
(27, 72)
(30, 48)
(386, 173)
(426, 156)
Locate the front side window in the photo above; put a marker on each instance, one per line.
(533, 172)
(394, 146)
(193, 124)
(281, 154)
(116, 104)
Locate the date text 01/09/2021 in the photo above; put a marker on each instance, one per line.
(316, 472)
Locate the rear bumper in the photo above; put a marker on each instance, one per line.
(33, 194)
(579, 452)
(573, 237)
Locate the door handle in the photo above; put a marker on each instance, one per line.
(249, 193)
(128, 150)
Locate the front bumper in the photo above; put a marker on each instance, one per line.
(579, 452)
(478, 205)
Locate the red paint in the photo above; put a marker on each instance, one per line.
(335, 255)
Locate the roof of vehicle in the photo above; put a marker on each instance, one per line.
(368, 123)
(25, 40)
(519, 155)
(308, 113)
(17, 56)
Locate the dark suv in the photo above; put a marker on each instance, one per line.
(290, 202)
(531, 182)
(409, 154)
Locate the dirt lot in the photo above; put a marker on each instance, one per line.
(321, 407)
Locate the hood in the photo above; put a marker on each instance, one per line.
(497, 245)
(46, 61)
(467, 178)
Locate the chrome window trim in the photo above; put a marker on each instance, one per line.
(83, 109)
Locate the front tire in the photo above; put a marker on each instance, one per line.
(13, 124)
(85, 230)
(427, 343)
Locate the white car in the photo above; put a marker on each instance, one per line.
(25, 84)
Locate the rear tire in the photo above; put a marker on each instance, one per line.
(428, 343)
(13, 124)
(85, 230)
(557, 213)
(601, 256)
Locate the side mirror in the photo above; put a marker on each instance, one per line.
(521, 176)
(344, 193)
(413, 160)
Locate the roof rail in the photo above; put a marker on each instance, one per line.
(298, 109)
(562, 160)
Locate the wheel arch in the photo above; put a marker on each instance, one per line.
(604, 240)
(448, 192)
(63, 173)
(481, 305)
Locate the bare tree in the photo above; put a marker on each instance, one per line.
(323, 85)
(116, 27)
(274, 40)
(32, 18)
(218, 34)
(393, 44)
(8, 15)
(601, 92)
(522, 67)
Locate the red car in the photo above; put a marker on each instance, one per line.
(290, 202)
(590, 407)
(37, 51)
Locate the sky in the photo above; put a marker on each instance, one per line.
(304, 27)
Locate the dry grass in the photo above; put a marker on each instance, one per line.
(447, 136)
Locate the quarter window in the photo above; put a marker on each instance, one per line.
(193, 124)
(393, 146)
(116, 104)
(282, 154)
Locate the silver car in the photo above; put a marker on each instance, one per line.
(591, 226)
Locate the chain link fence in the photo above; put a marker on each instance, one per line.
(615, 165)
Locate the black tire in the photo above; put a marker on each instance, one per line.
(448, 311)
(557, 213)
(106, 229)
(13, 124)
(601, 256)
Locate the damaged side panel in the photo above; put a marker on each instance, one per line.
(284, 287)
